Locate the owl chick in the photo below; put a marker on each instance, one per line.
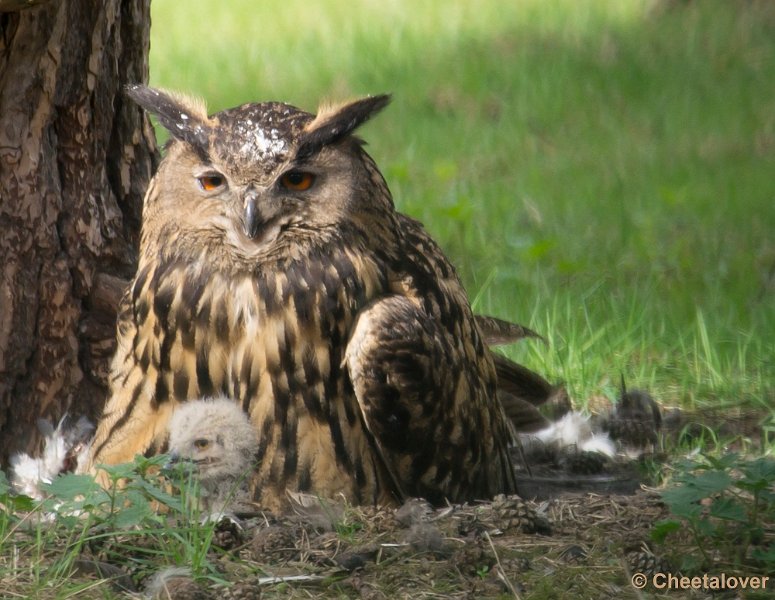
(217, 438)
(274, 270)
(636, 421)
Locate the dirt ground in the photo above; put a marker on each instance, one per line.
(574, 547)
(582, 545)
(586, 543)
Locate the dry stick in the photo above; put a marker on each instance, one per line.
(501, 573)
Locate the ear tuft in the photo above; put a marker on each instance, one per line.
(183, 116)
(334, 123)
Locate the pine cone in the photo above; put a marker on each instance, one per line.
(175, 584)
(512, 512)
(378, 519)
(241, 590)
(471, 524)
(644, 561)
(228, 535)
(474, 556)
(274, 543)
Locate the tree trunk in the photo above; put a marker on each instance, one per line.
(75, 159)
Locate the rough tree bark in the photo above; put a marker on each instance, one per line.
(75, 159)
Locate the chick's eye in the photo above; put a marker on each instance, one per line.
(201, 444)
(297, 181)
(210, 182)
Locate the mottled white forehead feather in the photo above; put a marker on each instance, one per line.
(259, 142)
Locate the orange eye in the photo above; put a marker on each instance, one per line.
(297, 181)
(211, 181)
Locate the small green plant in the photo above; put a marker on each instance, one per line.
(6, 507)
(347, 528)
(141, 521)
(144, 519)
(727, 506)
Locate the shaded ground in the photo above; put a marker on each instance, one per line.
(584, 544)
(493, 550)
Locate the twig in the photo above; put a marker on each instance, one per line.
(501, 572)
(289, 579)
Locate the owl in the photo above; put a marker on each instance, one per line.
(274, 270)
(636, 421)
(217, 439)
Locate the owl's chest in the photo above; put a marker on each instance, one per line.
(276, 335)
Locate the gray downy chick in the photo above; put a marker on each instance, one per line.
(217, 439)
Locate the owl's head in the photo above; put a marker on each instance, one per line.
(215, 436)
(257, 177)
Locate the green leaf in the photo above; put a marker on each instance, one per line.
(132, 508)
(144, 463)
(120, 471)
(20, 503)
(131, 516)
(683, 500)
(728, 508)
(706, 527)
(710, 482)
(70, 486)
(759, 474)
(685, 465)
(5, 487)
(664, 528)
(160, 495)
(724, 462)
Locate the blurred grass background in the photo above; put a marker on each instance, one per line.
(603, 171)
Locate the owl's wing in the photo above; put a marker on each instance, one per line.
(438, 432)
(521, 390)
(521, 382)
(497, 332)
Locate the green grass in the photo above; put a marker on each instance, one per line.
(601, 171)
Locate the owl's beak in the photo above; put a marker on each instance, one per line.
(252, 215)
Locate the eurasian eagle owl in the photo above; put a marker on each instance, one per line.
(274, 270)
